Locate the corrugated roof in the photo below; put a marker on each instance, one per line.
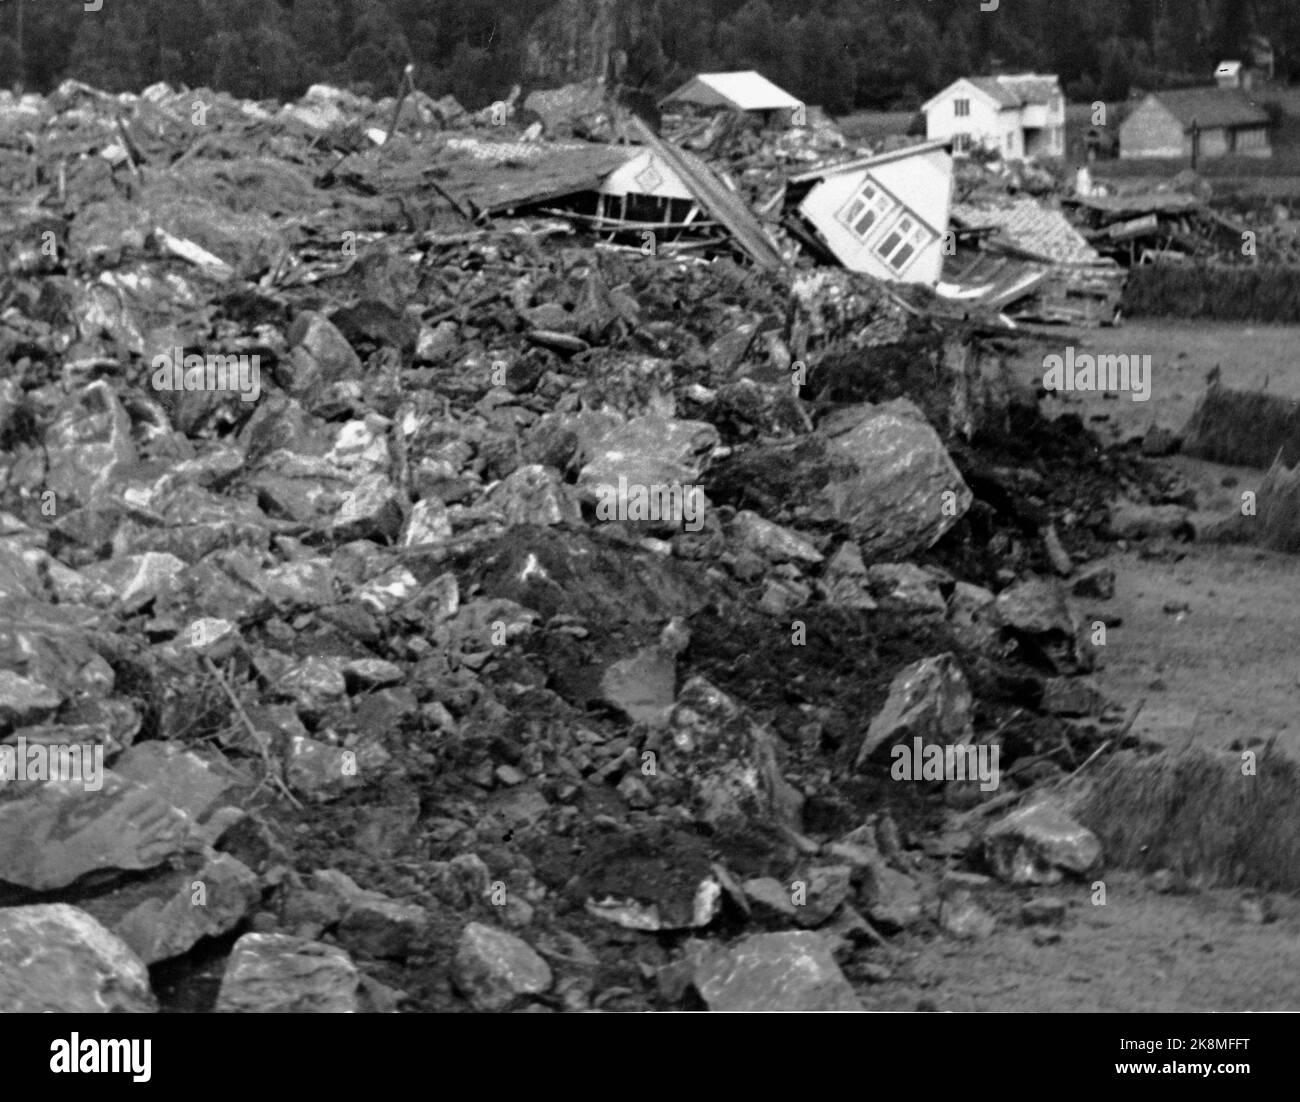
(714, 195)
(1211, 107)
(747, 90)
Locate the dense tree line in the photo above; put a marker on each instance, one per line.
(839, 53)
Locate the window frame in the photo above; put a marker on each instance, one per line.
(884, 205)
(918, 237)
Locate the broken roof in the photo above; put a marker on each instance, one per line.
(1153, 202)
(745, 91)
(496, 176)
(713, 194)
(1211, 107)
(1030, 227)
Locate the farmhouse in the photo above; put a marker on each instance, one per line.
(1020, 116)
(1223, 120)
(884, 215)
(746, 90)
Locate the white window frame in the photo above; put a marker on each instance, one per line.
(909, 231)
(961, 107)
(961, 142)
(868, 197)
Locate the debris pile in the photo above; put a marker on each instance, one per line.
(406, 606)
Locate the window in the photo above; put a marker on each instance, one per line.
(962, 107)
(1011, 143)
(961, 143)
(903, 241)
(865, 209)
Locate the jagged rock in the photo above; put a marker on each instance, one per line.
(891, 899)
(643, 685)
(494, 969)
(772, 541)
(60, 960)
(279, 974)
(319, 355)
(929, 700)
(137, 579)
(181, 908)
(894, 501)
(89, 445)
(1129, 521)
(973, 617)
(906, 587)
(381, 927)
(60, 831)
(1035, 844)
(825, 889)
(770, 901)
(534, 494)
(729, 760)
(781, 972)
(1037, 613)
(962, 916)
(25, 701)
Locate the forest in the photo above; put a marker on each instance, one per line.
(840, 54)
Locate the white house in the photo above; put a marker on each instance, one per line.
(884, 215)
(1020, 116)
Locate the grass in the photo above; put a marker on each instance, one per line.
(1194, 812)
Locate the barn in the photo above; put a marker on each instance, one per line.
(1224, 121)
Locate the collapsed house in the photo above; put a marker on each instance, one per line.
(623, 192)
(885, 215)
(1020, 257)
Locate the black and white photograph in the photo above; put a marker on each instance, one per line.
(651, 507)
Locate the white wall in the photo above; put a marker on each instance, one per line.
(922, 184)
(986, 123)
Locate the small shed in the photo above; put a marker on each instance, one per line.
(745, 90)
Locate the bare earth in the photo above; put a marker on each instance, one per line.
(1225, 668)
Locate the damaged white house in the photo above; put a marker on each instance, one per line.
(885, 215)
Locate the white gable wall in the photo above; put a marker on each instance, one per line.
(918, 189)
(987, 124)
(992, 125)
(646, 165)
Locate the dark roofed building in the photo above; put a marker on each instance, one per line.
(1226, 119)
